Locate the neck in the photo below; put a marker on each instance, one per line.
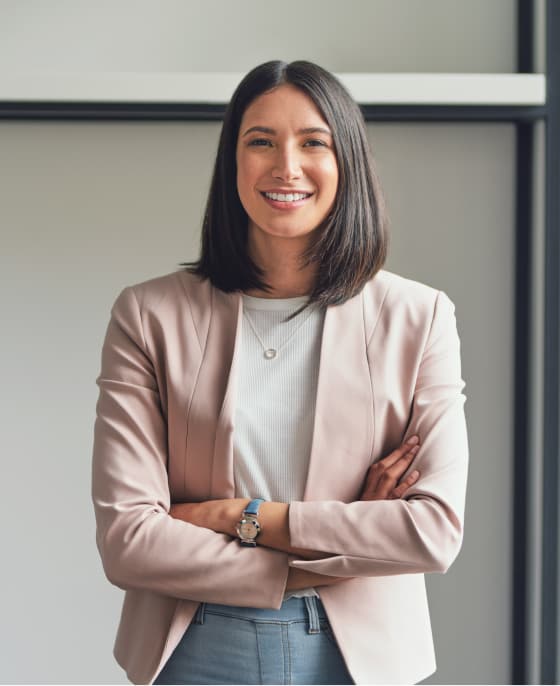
(280, 259)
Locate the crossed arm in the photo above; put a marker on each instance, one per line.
(384, 481)
(144, 548)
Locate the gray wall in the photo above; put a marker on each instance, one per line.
(216, 35)
(87, 208)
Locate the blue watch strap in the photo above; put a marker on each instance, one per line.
(253, 507)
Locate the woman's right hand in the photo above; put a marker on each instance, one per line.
(383, 480)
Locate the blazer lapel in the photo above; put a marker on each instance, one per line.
(227, 341)
(343, 427)
(208, 456)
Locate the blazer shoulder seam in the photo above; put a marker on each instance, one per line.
(193, 319)
(141, 319)
(379, 309)
(432, 322)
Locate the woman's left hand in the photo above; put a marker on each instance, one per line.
(384, 478)
(383, 482)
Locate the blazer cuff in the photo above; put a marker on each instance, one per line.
(310, 537)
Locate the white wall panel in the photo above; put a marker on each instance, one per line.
(220, 35)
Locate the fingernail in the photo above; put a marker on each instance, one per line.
(413, 440)
(415, 474)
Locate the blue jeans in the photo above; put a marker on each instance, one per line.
(246, 645)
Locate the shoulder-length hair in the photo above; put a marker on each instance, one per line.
(350, 246)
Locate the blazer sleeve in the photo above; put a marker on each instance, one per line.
(141, 545)
(422, 532)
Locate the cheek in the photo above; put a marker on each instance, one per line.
(241, 185)
(247, 175)
(329, 174)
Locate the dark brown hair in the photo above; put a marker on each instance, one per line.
(351, 245)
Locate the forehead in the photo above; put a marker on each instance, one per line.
(285, 105)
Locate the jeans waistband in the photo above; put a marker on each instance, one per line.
(309, 609)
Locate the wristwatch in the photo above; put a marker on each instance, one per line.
(248, 527)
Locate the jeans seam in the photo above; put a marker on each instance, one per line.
(287, 654)
(253, 620)
(259, 656)
(329, 633)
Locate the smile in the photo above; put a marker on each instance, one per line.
(287, 197)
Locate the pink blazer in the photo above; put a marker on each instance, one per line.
(390, 367)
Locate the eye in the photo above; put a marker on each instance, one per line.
(259, 142)
(316, 142)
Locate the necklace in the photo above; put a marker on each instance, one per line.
(271, 352)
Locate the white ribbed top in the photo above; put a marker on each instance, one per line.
(275, 406)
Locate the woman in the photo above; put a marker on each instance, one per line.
(280, 448)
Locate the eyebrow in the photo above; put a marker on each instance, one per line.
(266, 129)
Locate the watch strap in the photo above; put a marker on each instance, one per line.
(253, 507)
(247, 544)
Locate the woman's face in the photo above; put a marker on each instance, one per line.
(287, 174)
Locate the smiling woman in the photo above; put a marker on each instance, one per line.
(280, 446)
(293, 128)
(287, 176)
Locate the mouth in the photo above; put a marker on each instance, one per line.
(286, 197)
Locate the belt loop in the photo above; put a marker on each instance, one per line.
(312, 615)
(199, 616)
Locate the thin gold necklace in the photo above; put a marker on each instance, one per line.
(270, 352)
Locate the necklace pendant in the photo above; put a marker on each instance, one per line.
(270, 353)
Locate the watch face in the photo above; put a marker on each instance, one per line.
(248, 529)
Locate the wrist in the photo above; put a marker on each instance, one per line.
(231, 514)
(249, 526)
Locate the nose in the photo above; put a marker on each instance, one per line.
(287, 164)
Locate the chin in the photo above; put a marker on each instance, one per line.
(287, 232)
(290, 234)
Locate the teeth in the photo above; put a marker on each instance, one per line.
(287, 197)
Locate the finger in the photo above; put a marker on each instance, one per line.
(377, 470)
(405, 484)
(379, 467)
(402, 464)
(390, 475)
(401, 451)
(384, 488)
(389, 479)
